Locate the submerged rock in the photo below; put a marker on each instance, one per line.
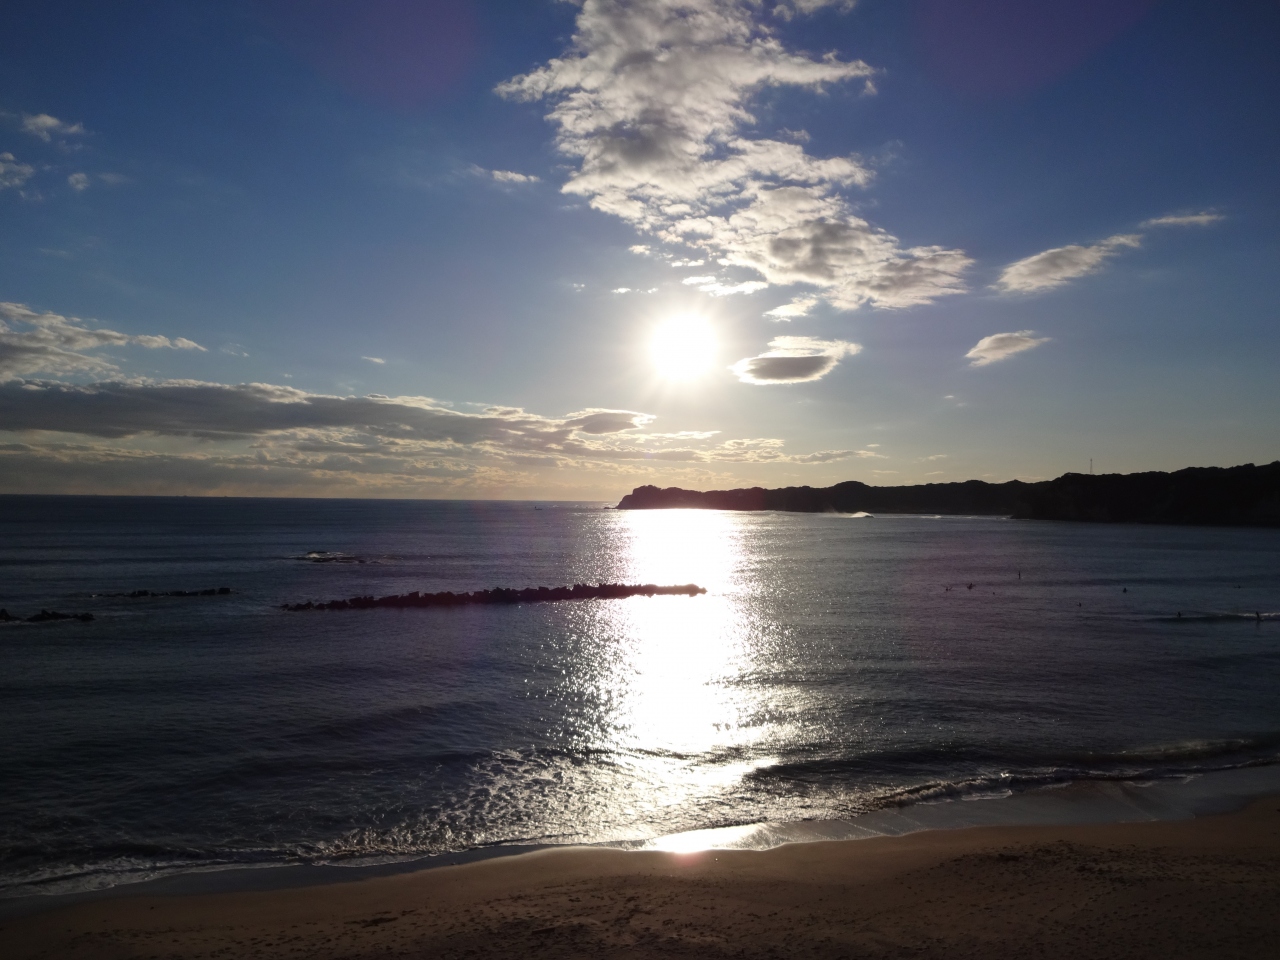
(44, 616)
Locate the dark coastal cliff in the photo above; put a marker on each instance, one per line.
(1239, 496)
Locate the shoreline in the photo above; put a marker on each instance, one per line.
(1194, 887)
(1079, 802)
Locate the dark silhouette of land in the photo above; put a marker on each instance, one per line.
(1233, 496)
(501, 595)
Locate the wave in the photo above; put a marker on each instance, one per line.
(1256, 616)
(337, 556)
(456, 827)
(1178, 757)
(516, 798)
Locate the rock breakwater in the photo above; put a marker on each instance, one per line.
(502, 595)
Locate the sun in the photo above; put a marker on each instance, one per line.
(683, 347)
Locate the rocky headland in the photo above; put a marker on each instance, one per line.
(1247, 495)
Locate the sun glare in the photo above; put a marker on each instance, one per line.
(683, 347)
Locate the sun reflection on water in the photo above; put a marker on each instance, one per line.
(674, 704)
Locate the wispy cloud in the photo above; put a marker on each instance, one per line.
(718, 288)
(1001, 346)
(82, 181)
(12, 173)
(798, 307)
(794, 360)
(510, 176)
(374, 359)
(503, 176)
(1052, 268)
(48, 343)
(1184, 220)
(653, 100)
(46, 127)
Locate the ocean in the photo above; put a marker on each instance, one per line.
(837, 670)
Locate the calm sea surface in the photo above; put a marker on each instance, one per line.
(827, 672)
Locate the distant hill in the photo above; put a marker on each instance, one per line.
(1233, 496)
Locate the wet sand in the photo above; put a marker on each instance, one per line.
(1208, 887)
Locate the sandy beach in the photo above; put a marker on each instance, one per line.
(1208, 887)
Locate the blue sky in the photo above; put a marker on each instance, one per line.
(398, 248)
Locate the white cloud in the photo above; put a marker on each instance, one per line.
(510, 176)
(502, 176)
(794, 360)
(46, 127)
(798, 307)
(785, 11)
(653, 98)
(821, 456)
(1000, 346)
(13, 173)
(640, 249)
(729, 289)
(374, 359)
(155, 343)
(870, 454)
(32, 342)
(716, 288)
(1184, 220)
(78, 181)
(809, 6)
(1055, 267)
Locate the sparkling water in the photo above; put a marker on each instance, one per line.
(837, 665)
